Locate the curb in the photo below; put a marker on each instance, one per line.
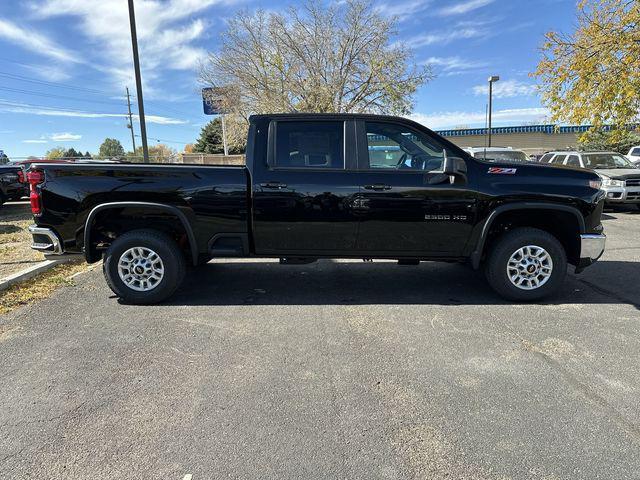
(34, 270)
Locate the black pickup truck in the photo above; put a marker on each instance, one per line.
(12, 183)
(324, 186)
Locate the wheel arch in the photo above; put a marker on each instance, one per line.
(504, 213)
(90, 252)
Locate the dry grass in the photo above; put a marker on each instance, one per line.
(15, 240)
(39, 287)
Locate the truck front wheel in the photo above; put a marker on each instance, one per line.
(144, 267)
(526, 264)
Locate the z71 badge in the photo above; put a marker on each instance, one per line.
(503, 171)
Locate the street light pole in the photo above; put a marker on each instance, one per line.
(136, 66)
(492, 78)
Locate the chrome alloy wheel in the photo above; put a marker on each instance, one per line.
(141, 269)
(529, 267)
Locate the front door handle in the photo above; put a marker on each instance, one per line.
(273, 185)
(377, 187)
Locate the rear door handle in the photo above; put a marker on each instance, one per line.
(273, 185)
(377, 186)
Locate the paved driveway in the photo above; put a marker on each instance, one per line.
(330, 370)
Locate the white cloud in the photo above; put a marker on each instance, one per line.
(35, 42)
(402, 10)
(513, 116)
(50, 73)
(64, 137)
(39, 140)
(166, 34)
(464, 7)
(27, 109)
(460, 31)
(454, 65)
(506, 89)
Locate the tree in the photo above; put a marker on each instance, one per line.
(71, 153)
(55, 153)
(210, 140)
(87, 154)
(188, 148)
(593, 75)
(111, 148)
(336, 58)
(619, 141)
(159, 153)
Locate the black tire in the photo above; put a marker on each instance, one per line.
(168, 251)
(504, 248)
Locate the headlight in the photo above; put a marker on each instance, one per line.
(595, 184)
(607, 182)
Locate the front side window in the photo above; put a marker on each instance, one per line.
(309, 145)
(546, 157)
(606, 160)
(396, 147)
(636, 152)
(558, 159)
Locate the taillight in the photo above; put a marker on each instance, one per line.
(21, 176)
(35, 178)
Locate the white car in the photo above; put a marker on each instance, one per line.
(497, 154)
(634, 155)
(620, 177)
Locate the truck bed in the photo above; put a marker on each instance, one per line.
(213, 198)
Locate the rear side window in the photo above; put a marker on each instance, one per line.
(636, 152)
(573, 160)
(309, 145)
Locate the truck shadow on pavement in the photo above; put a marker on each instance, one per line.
(350, 283)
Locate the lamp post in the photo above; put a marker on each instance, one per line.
(492, 78)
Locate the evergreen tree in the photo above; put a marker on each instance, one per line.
(210, 140)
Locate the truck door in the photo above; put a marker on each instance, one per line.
(303, 196)
(407, 206)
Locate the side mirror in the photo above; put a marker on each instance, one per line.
(453, 168)
(453, 165)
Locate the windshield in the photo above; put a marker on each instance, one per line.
(606, 160)
(498, 156)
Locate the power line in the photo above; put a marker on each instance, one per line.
(53, 84)
(164, 140)
(52, 95)
(14, 104)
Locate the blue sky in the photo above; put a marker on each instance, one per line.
(64, 64)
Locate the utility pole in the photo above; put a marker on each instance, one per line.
(133, 137)
(136, 66)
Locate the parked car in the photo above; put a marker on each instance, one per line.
(620, 177)
(27, 163)
(324, 186)
(497, 154)
(12, 186)
(634, 155)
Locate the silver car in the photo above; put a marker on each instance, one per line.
(620, 177)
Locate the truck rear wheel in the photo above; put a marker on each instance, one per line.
(526, 264)
(143, 267)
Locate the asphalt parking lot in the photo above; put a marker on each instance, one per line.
(329, 370)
